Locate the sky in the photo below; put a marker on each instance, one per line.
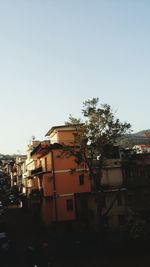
(55, 54)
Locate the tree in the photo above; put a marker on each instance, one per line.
(96, 135)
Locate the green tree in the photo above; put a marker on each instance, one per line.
(96, 135)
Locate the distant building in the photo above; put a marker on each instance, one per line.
(141, 148)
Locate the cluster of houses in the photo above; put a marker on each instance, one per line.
(60, 191)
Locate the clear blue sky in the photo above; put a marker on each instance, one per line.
(54, 54)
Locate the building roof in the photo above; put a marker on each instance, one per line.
(61, 127)
(44, 147)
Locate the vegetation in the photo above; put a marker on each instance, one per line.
(96, 135)
(7, 157)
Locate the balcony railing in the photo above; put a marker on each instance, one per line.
(36, 171)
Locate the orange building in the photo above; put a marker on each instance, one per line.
(58, 175)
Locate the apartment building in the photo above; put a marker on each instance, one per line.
(59, 176)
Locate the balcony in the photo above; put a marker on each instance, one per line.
(37, 171)
(41, 149)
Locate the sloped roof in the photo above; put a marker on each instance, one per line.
(45, 147)
(70, 127)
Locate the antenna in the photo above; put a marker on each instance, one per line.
(33, 137)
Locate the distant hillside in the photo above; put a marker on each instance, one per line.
(6, 157)
(127, 141)
(135, 139)
(142, 133)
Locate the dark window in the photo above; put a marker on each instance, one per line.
(45, 164)
(69, 204)
(119, 199)
(81, 179)
(121, 219)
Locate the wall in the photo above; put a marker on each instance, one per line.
(66, 137)
(54, 137)
(44, 159)
(67, 181)
(63, 213)
(60, 136)
(112, 176)
(48, 211)
(47, 185)
(116, 213)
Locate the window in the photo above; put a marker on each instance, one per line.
(119, 199)
(45, 164)
(81, 179)
(69, 204)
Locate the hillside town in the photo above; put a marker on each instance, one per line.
(57, 191)
(75, 133)
(83, 188)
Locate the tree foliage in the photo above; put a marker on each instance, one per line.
(96, 134)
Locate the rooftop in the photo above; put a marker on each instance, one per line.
(44, 147)
(61, 127)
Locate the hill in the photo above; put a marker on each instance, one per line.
(134, 139)
(6, 157)
(142, 133)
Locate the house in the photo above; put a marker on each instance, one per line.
(136, 170)
(112, 195)
(58, 175)
(28, 166)
(8, 169)
(66, 190)
(18, 170)
(142, 148)
(60, 189)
